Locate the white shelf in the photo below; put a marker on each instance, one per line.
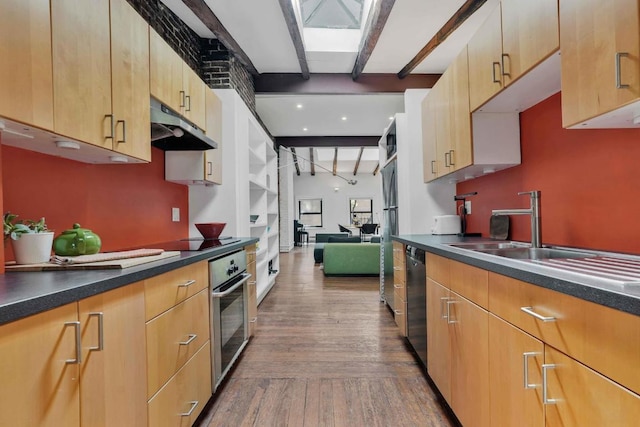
(258, 224)
(254, 185)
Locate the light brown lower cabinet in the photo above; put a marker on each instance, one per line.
(438, 341)
(579, 396)
(252, 290)
(515, 376)
(183, 397)
(69, 366)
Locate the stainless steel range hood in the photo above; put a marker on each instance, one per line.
(172, 132)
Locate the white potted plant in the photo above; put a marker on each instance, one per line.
(31, 240)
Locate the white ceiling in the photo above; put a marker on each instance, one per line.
(261, 31)
(347, 157)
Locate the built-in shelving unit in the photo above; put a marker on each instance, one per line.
(263, 201)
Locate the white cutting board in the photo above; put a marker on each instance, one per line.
(101, 265)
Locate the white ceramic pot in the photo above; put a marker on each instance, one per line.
(33, 248)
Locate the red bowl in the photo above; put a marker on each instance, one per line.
(211, 230)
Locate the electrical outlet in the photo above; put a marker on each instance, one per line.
(175, 214)
(467, 206)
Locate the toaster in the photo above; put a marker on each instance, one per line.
(446, 224)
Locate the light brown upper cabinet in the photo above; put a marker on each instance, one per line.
(101, 75)
(429, 138)
(213, 158)
(529, 34)
(174, 83)
(26, 86)
(600, 44)
(517, 36)
(82, 70)
(130, 81)
(485, 59)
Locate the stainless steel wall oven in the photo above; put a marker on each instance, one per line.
(229, 312)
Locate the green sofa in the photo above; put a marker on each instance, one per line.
(351, 259)
(321, 239)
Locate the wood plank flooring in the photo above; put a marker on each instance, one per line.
(326, 353)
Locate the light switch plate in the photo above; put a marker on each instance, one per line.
(175, 214)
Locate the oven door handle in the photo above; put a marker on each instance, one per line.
(245, 277)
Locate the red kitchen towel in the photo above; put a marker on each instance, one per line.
(107, 256)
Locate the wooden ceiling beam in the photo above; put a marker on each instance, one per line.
(313, 164)
(294, 31)
(335, 161)
(340, 84)
(375, 171)
(295, 161)
(327, 141)
(374, 27)
(211, 21)
(355, 169)
(461, 15)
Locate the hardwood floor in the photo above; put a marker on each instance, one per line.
(326, 353)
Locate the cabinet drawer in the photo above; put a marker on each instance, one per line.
(438, 269)
(251, 253)
(470, 282)
(181, 400)
(605, 339)
(398, 251)
(168, 334)
(400, 313)
(164, 291)
(399, 275)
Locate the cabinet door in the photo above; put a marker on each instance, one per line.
(600, 46)
(114, 358)
(582, 397)
(438, 343)
(485, 55)
(515, 376)
(461, 149)
(26, 86)
(443, 124)
(130, 81)
(194, 106)
(39, 387)
(253, 299)
(213, 158)
(529, 34)
(429, 133)
(165, 73)
(82, 70)
(469, 331)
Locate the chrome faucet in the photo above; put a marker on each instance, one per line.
(534, 211)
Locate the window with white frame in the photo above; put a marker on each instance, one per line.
(310, 212)
(360, 211)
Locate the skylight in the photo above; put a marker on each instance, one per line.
(335, 14)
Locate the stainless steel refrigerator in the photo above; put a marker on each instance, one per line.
(389, 228)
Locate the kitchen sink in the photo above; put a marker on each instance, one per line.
(534, 253)
(477, 246)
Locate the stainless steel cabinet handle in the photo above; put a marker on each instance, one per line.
(209, 168)
(433, 164)
(187, 284)
(78, 359)
(253, 320)
(493, 72)
(398, 312)
(504, 73)
(446, 160)
(545, 396)
(194, 405)
(188, 341)
(112, 126)
(529, 311)
(182, 100)
(525, 368)
(396, 286)
(449, 321)
(619, 84)
(100, 317)
(451, 153)
(443, 315)
(188, 103)
(124, 131)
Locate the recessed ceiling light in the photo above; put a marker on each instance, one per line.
(344, 118)
(299, 106)
(305, 129)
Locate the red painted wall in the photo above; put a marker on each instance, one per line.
(126, 205)
(589, 179)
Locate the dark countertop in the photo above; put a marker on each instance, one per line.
(625, 299)
(25, 293)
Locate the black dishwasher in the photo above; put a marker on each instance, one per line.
(417, 302)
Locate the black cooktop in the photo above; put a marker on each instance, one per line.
(194, 244)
